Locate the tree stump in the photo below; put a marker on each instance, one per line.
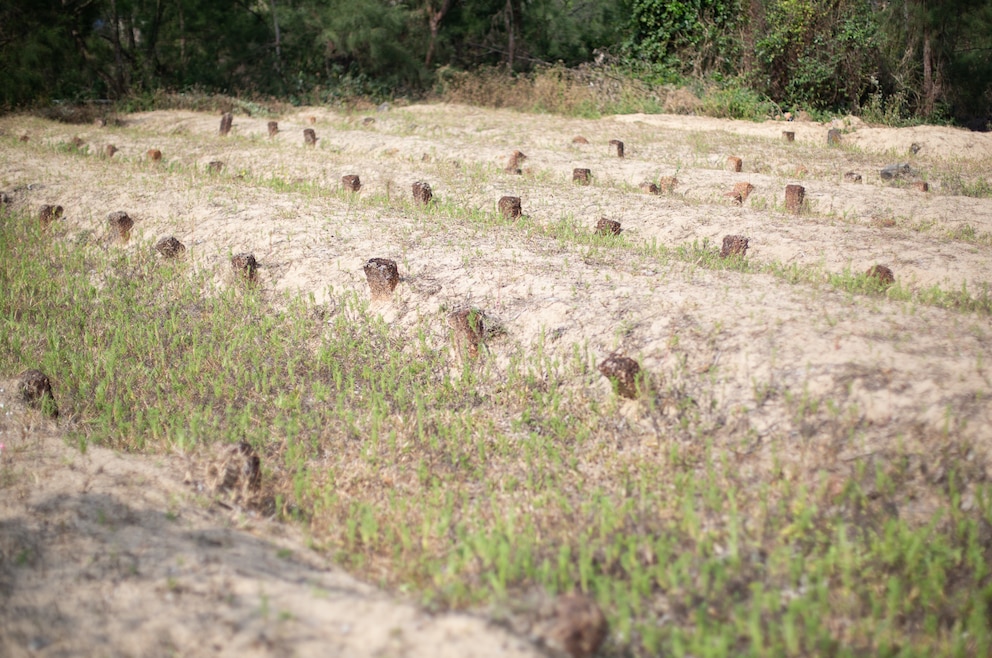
(312, 120)
(154, 155)
(77, 143)
(368, 121)
(49, 214)
(733, 245)
(110, 150)
(382, 275)
(422, 193)
(852, 177)
(513, 164)
(170, 247)
(833, 137)
(510, 208)
(794, 197)
(742, 191)
(226, 120)
(245, 266)
(273, 129)
(622, 371)
(579, 139)
(788, 135)
(309, 137)
(649, 188)
(582, 176)
(618, 146)
(922, 186)
(23, 138)
(100, 122)
(734, 164)
(121, 222)
(881, 274)
(215, 166)
(578, 627)
(667, 184)
(35, 389)
(468, 331)
(608, 227)
(351, 182)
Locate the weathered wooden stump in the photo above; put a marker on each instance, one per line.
(801, 170)
(215, 166)
(734, 164)
(922, 186)
(881, 274)
(110, 150)
(510, 207)
(468, 330)
(618, 147)
(309, 137)
(154, 155)
(382, 275)
(368, 121)
(245, 266)
(312, 120)
(77, 143)
(794, 197)
(170, 247)
(667, 184)
(513, 164)
(649, 188)
(788, 135)
(578, 627)
(422, 193)
(49, 214)
(351, 182)
(733, 245)
(833, 137)
(852, 177)
(35, 389)
(742, 191)
(121, 222)
(579, 139)
(226, 121)
(608, 227)
(23, 138)
(622, 371)
(273, 128)
(582, 176)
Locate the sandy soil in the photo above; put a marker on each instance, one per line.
(744, 347)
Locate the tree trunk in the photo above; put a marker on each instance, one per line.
(434, 19)
(510, 41)
(275, 26)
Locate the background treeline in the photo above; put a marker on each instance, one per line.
(897, 59)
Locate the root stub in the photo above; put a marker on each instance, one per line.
(510, 208)
(582, 176)
(382, 275)
(273, 128)
(579, 626)
(794, 197)
(35, 389)
(608, 227)
(170, 247)
(733, 245)
(734, 164)
(422, 193)
(309, 137)
(622, 371)
(351, 182)
(122, 223)
(617, 146)
(49, 214)
(881, 274)
(225, 123)
(245, 266)
(468, 330)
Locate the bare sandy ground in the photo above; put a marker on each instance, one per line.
(746, 348)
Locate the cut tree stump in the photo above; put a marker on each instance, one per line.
(513, 164)
(618, 146)
(608, 227)
(351, 182)
(833, 137)
(622, 371)
(422, 193)
(312, 120)
(226, 120)
(881, 274)
(468, 331)
(852, 177)
(733, 245)
(245, 266)
(582, 176)
(154, 155)
(649, 188)
(215, 166)
(382, 275)
(309, 137)
(788, 135)
(110, 150)
(734, 164)
(368, 121)
(922, 186)
(23, 138)
(578, 627)
(49, 214)
(579, 139)
(77, 143)
(122, 223)
(510, 207)
(794, 197)
(170, 247)
(35, 389)
(273, 128)
(742, 191)
(667, 184)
